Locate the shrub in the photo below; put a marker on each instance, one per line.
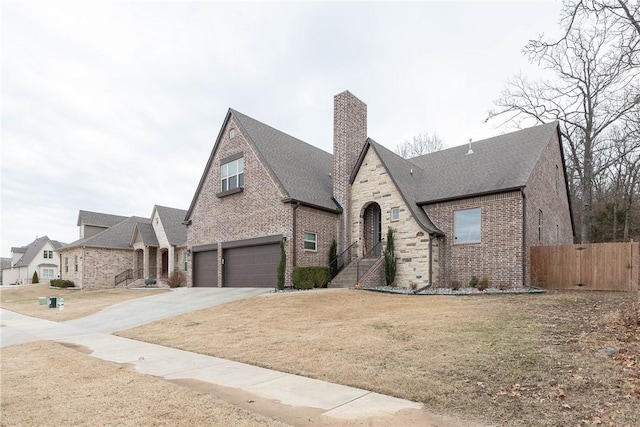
(34, 279)
(282, 266)
(455, 285)
(310, 277)
(484, 283)
(177, 278)
(149, 281)
(60, 283)
(333, 262)
(473, 282)
(390, 262)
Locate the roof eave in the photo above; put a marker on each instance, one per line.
(468, 196)
(337, 210)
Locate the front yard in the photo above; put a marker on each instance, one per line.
(23, 299)
(508, 359)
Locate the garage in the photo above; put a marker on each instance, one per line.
(252, 266)
(205, 268)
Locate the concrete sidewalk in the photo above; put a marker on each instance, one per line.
(335, 401)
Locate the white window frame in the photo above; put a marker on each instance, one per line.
(457, 238)
(313, 241)
(226, 177)
(44, 270)
(395, 210)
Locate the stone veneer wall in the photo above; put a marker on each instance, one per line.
(373, 184)
(255, 212)
(499, 254)
(324, 224)
(349, 137)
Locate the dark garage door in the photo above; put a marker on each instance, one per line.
(252, 266)
(205, 268)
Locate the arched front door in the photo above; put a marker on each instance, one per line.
(372, 232)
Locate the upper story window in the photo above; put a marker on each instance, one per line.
(232, 175)
(395, 214)
(48, 254)
(310, 241)
(466, 226)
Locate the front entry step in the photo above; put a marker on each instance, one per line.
(348, 277)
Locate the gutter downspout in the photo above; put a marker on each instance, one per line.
(524, 237)
(431, 259)
(293, 237)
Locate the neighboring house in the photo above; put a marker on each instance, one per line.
(160, 246)
(92, 223)
(38, 256)
(4, 264)
(464, 211)
(143, 247)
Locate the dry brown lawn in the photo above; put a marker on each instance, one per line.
(79, 390)
(508, 359)
(78, 303)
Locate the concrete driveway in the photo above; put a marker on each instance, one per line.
(144, 310)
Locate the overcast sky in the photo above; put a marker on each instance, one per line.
(115, 106)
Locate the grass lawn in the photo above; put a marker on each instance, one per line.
(507, 359)
(78, 303)
(80, 390)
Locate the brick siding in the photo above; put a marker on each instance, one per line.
(498, 256)
(255, 212)
(324, 225)
(349, 137)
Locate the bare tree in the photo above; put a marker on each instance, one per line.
(421, 144)
(592, 87)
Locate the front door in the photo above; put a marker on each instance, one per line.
(165, 264)
(372, 230)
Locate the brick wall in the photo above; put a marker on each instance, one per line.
(498, 255)
(546, 192)
(69, 256)
(100, 266)
(324, 224)
(255, 212)
(373, 185)
(349, 137)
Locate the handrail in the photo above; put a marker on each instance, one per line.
(376, 251)
(123, 276)
(340, 261)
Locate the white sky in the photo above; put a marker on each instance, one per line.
(115, 106)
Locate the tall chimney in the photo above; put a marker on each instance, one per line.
(349, 137)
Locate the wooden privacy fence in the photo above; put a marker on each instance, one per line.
(592, 267)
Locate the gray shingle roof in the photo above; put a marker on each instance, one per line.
(172, 219)
(99, 219)
(406, 176)
(147, 233)
(33, 249)
(304, 171)
(5, 263)
(499, 163)
(115, 237)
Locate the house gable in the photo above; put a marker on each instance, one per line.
(372, 183)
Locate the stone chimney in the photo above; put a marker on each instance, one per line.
(349, 137)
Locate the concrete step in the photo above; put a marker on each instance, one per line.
(349, 276)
